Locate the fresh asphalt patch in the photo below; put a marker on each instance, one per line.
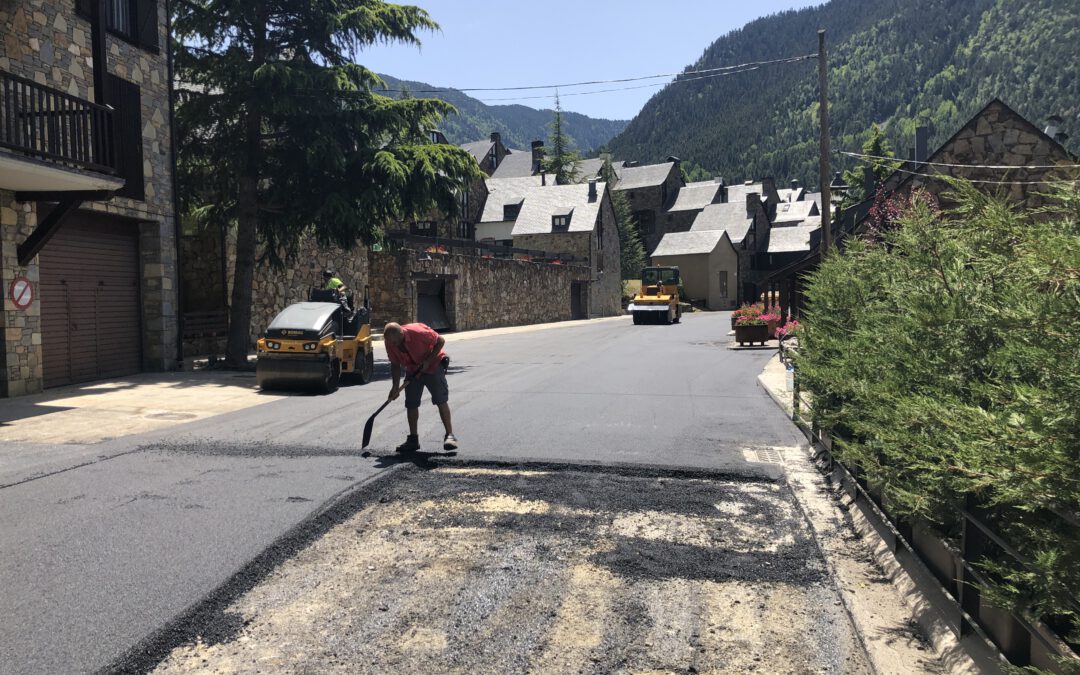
(489, 567)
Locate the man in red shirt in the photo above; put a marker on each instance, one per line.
(418, 349)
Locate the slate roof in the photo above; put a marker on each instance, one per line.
(650, 175)
(543, 202)
(789, 195)
(729, 217)
(794, 212)
(791, 239)
(688, 243)
(517, 164)
(504, 191)
(695, 196)
(813, 197)
(738, 192)
(478, 149)
(590, 168)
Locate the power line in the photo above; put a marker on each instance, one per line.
(720, 69)
(991, 182)
(860, 155)
(604, 91)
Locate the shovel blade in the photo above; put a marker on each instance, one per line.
(367, 431)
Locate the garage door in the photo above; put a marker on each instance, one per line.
(90, 300)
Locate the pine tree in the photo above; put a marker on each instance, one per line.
(875, 146)
(631, 250)
(563, 161)
(281, 136)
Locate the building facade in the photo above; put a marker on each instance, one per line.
(86, 192)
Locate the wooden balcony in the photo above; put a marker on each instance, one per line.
(53, 141)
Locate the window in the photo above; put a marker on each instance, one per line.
(511, 211)
(134, 21)
(646, 221)
(599, 233)
(424, 228)
(560, 223)
(723, 283)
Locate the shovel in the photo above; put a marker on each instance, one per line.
(370, 425)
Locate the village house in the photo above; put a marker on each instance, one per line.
(690, 200)
(488, 154)
(746, 223)
(521, 163)
(708, 263)
(650, 190)
(995, 137)
(87, 217)
(576, 221)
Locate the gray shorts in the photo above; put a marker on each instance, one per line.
(435, 383)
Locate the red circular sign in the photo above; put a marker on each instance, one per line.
(21, 292)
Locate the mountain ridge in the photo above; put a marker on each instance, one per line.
(895, 63)
(519, 125)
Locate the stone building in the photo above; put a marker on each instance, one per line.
(576, 220)
(650, 189)
(488, 154)
(88, 246)
(708, 263)
(690, 200)
(747, 225)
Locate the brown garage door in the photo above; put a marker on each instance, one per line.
(90, 300)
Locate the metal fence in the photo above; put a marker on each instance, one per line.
(44, 122)
(958, 567)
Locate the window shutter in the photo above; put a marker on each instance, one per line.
(127, 134)
(146, 24)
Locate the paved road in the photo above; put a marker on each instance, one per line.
(94, 558)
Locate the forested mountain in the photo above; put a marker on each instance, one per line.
(895, 63)
(518, 124)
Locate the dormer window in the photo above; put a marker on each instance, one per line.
(511, 211)
(560, 220)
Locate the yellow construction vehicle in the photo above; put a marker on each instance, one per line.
(313, 345)
(658, 299)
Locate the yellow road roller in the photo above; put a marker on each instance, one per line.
(313, 345)
(658, 299)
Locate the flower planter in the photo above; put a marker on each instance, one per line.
(772, 326)
(752, 334)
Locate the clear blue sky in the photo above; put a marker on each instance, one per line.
(489, 43)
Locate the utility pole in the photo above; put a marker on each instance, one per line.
(823, 165)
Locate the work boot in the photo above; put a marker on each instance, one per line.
(411, 444)
(449, 443)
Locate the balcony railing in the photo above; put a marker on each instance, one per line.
(44, 122)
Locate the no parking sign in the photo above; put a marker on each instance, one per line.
(21, 292)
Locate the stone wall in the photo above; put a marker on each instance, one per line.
(480, 292)
(996, 136)
(20, 348)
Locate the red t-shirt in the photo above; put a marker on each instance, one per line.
(417, 342)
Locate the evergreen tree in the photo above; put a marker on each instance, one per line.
(877, 145)
(631, 250)
(281, 136)
(562, 161)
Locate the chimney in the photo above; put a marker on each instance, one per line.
(543, 178)
(537, 155)
(592, 189)
(496, 137)
(922, 141)
(753, 201)
(675, 159)
(794, 184)
(721, 193)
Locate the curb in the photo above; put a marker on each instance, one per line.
(917, 594)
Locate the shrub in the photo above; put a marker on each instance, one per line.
(944, 354)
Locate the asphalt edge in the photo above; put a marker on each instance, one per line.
(184, 627)
(919, 594)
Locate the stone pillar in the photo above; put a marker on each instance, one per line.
(20, 342)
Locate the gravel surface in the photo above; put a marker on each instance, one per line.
(479, 569)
